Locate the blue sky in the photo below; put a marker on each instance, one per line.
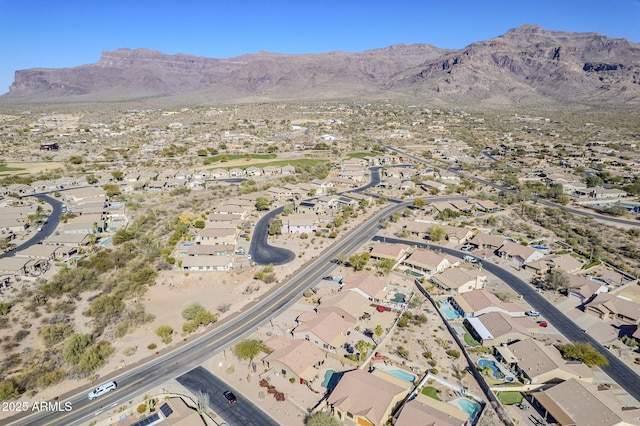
(68, 33)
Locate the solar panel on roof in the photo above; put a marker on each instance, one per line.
(151, 419)
(166, 410)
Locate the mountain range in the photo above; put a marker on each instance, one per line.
(525, 66)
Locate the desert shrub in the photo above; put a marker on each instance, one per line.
(164, 332)
(9, 389)
(95, 357)
(142, 408)
(50, 378)
(190, 312)
(53, 334)
(453, 353)
(131, 350)
(152, 346)
(74, 347)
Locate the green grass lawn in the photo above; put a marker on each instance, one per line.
(510, 397)
(431, 392)
(469, 340)
(5, 168)
(359, 154)
(230, 157)
(279, 163)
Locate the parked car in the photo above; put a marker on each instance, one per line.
(102, 389)
(466, 247)
(239, 251)
(542, 323)
(469, 259)
(532, 313)
(230, 396)
(249, 256)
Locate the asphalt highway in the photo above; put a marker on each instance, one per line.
(189, 356)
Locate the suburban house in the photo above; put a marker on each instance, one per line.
(360, 198)
(566, 262)
(424, 410)
(575, 402)
(299, 223)
(518, 252)
(541, 363)
(430, 261)
(223, 220)
(496, 328)
(432, 185)
(15, 265)
(608, 306)
(350, 305)
(68, 239)
(216, 236)
(395, 252)
(367, 399)
(327, 329)
(487, 241)
(458, 280)
(584, 289)
(207, 263)
(478, 302)
(367, 285)
(231, 209)
(299, 359)
(458, 235)
(419, 228)
(484, 205)
(172, 411)
(210, 250)
(219, 174)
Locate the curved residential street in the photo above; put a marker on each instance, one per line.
(617, 370)
(180, 362)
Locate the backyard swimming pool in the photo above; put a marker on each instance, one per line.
(540, 247)
(492, 365)
(401, 374)
(472, 408)
(448, 310)
(399, 298)
(327, 378)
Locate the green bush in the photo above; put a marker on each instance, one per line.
(53, 334)
(152, 346)
(9, 389)
(190, 312)
(164, 332)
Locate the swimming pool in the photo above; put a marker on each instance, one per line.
(401, 374)
(448, 310)
(399, 298)
(472, 408)
(540, 247)
(493, 366)
(327, 378)
(106, 241)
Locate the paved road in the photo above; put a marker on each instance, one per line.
(264, 254)
(261, 252)
(241, 413)
(47, 229)
(184, 359)
(617, 370)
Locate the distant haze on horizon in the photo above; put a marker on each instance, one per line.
(41, 34)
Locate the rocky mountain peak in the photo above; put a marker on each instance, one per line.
(527, 64)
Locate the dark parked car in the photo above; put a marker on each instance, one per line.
(230, 396)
